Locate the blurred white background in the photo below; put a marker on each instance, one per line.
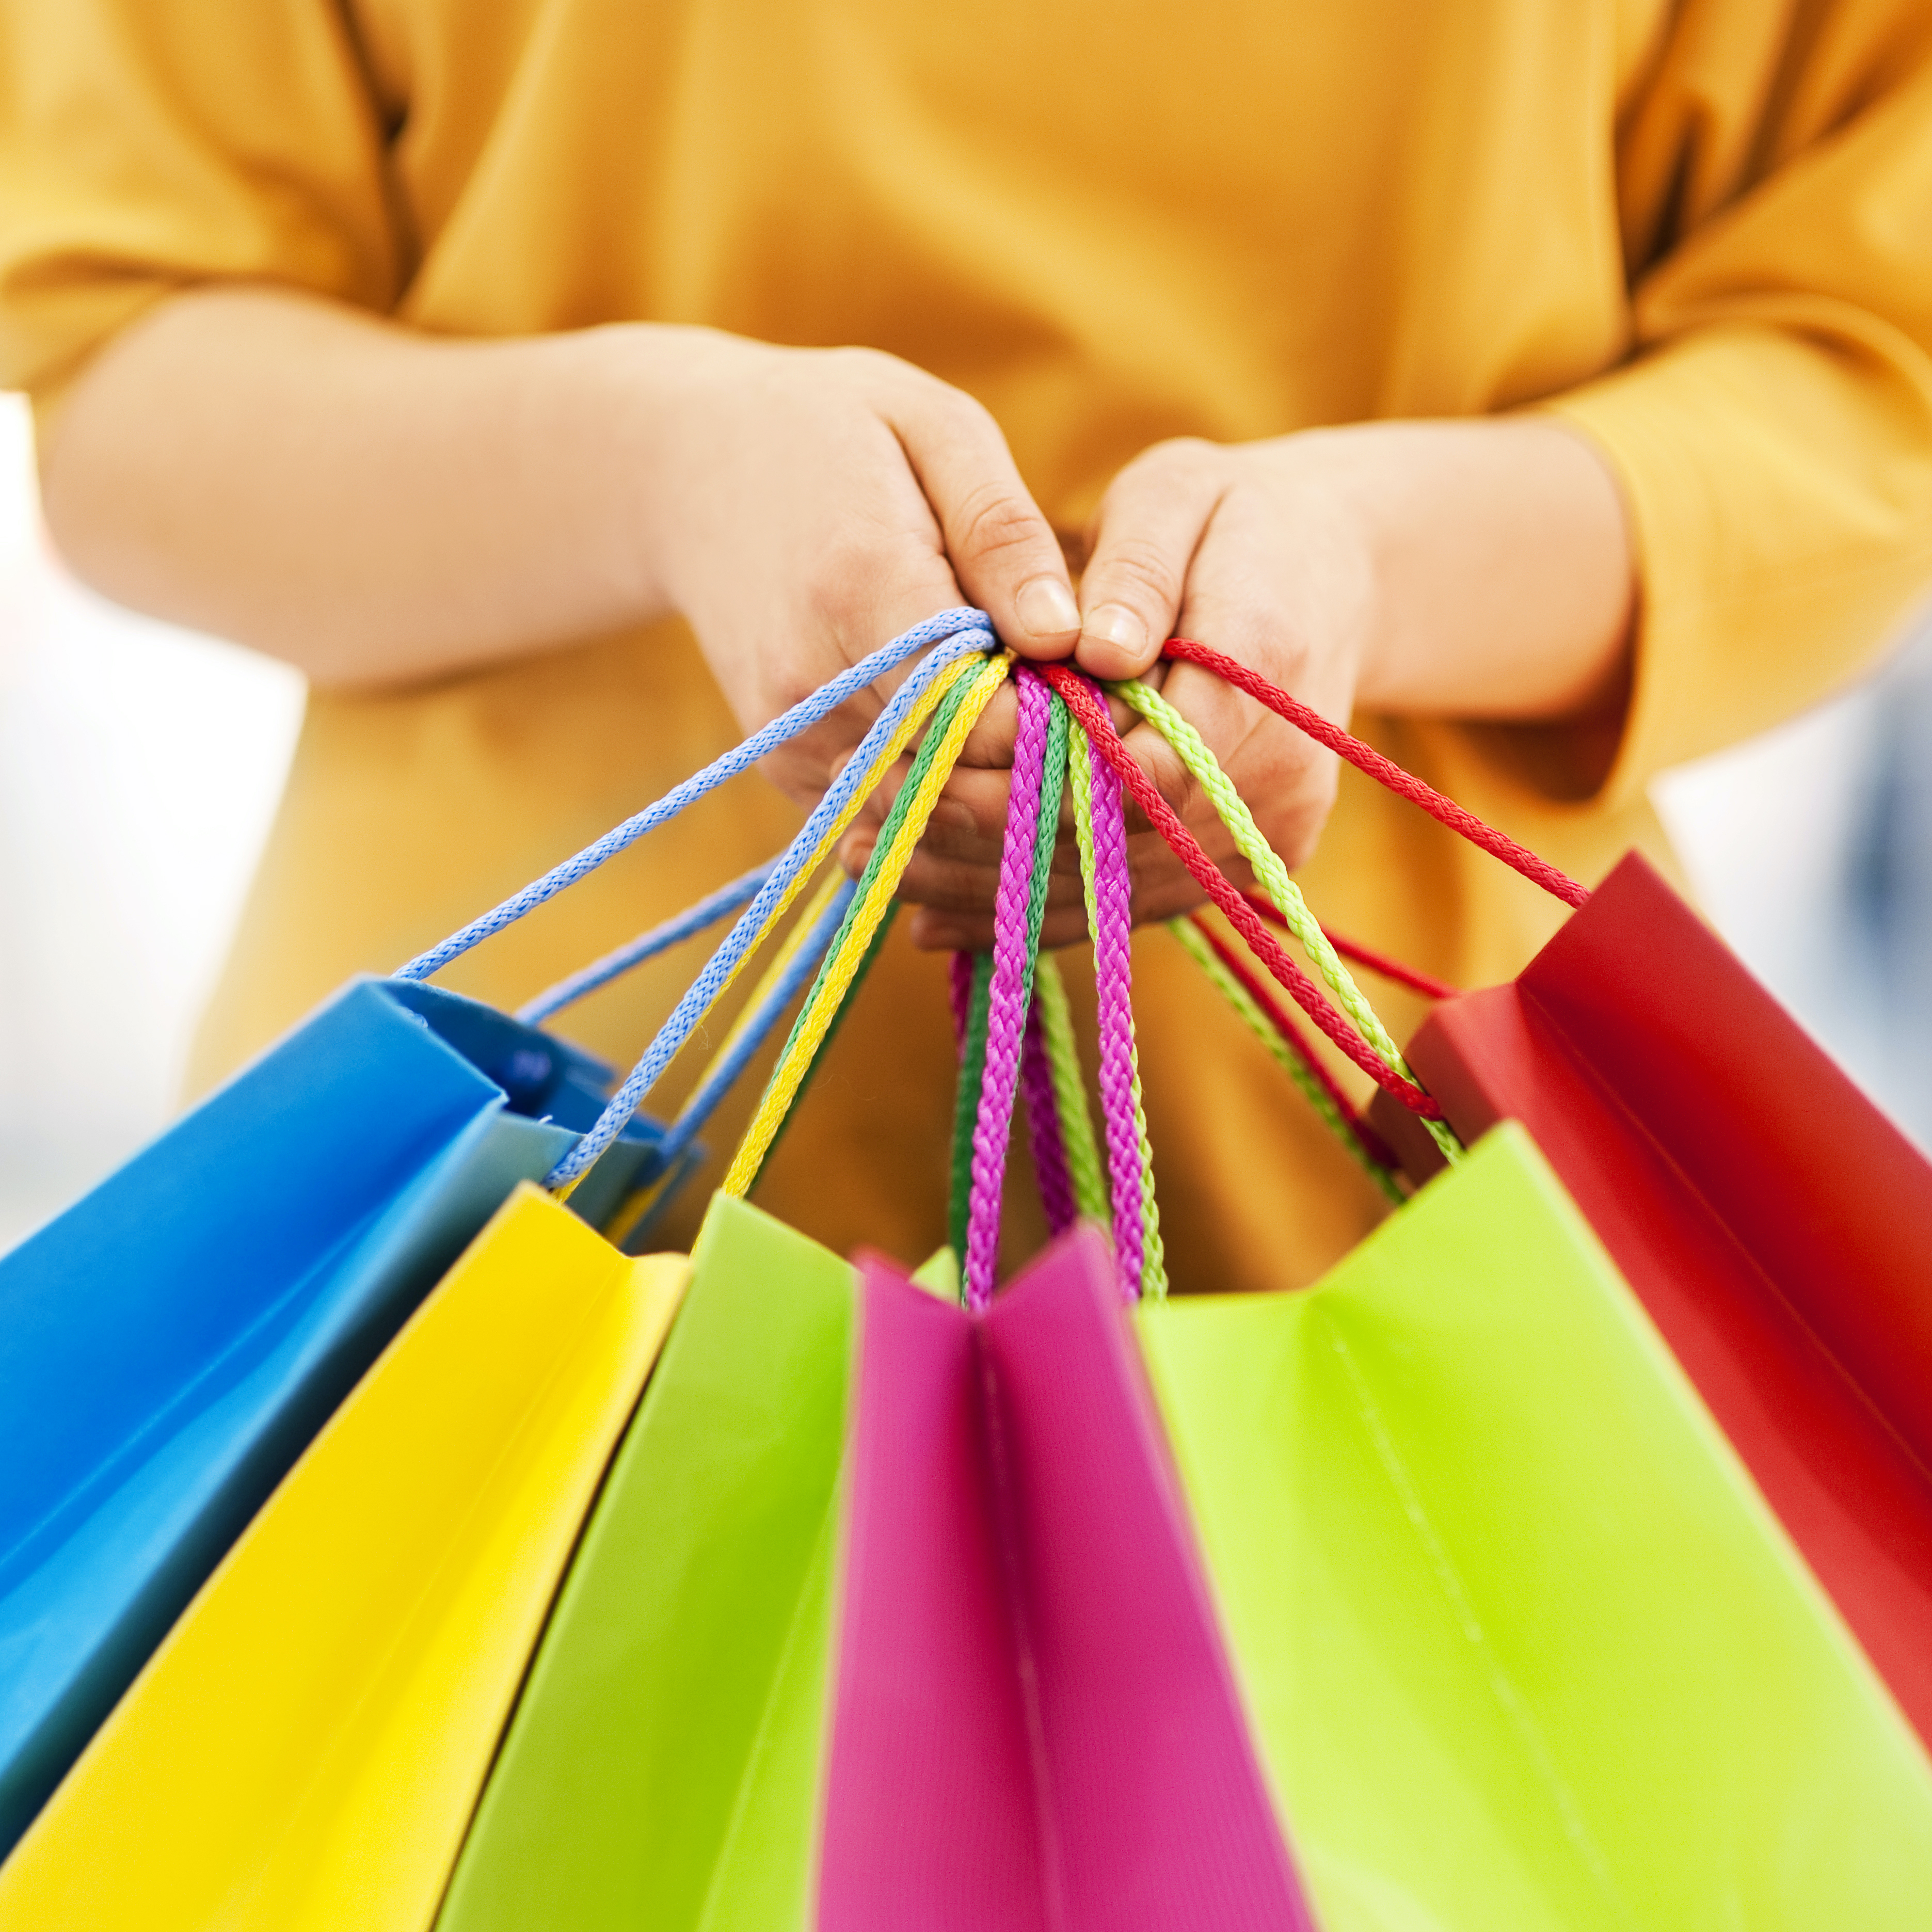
(140, 765)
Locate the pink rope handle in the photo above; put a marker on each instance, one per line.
(1006, 1016)
(1113, 980)
(1411, 977)
(1384, 771)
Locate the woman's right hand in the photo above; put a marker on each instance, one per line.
(801, 506)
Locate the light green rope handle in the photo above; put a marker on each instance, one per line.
(1317, 1095)
(1205, 770)
(1079, 768)
(1069, 1092)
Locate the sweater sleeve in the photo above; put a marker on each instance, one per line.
(1772, 429)
(148, 145)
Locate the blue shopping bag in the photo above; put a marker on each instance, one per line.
(169, 1345)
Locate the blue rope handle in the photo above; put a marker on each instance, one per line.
(797, 974)
(698, 996)
(949, 627)
(646, 946)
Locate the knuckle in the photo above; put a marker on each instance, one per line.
(1139, 571)
(990, 520)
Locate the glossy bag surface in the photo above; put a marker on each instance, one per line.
(305, 1748)
(661, 1766)
(169, 1345)
(1772, 1220)
(1036, 1725)
(1522, 1644)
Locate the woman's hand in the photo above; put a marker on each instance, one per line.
(803, 506)
(1466, 569)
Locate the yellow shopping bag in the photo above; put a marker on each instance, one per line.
(305, 1749)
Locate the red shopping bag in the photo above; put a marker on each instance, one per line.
(1776, 1226)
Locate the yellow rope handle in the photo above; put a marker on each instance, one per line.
(862, 923)
(618, 1228)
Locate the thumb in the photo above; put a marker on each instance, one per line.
(1002, 550)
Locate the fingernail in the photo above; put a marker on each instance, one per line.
(1114, 624)
(1046, 608)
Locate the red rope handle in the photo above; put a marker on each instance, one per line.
(1384, 771)
(1372, 1145)
(1085, 704)
(1411, 977)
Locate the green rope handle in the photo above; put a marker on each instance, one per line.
(1317, 1095)
(866, 966)
(1069, 1091)
(966, 1106)
(1052, 789)
(1205, 770)
(1154, 1261)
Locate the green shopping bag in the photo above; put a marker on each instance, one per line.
(662, 1768)
(1523, 1646)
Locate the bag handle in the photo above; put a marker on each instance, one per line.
(1384, 771)
(960, 629)
(681, 926)
(1100, 825)
(1044, 749)
(891, 732)
(1083, 701)
(905, 825)
(1228, 973)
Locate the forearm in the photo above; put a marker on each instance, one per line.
(1502, 579)
(369, 504)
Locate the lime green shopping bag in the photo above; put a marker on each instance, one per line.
(1523, 1647)
(661, 1767)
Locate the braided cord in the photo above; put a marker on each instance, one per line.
(1069, 1090)
(1101, 834)
(867, 962)
(1048, 1143)
(1011, 990)
(966, 1098)
(1205, 770)
(673, 931)
(1091, 714)
(1044, 1130)
(883, 873)
(1413, 977)
(781, 982)
(792, 967)
(963, 628)
(1271, 1027)
(1384, 771)
(891, 731)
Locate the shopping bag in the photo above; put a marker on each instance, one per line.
(662, 1764)
(1772, 1220)
(305, 1748)
(1035, 1722)
(169, 1345)
(1522, 1645)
